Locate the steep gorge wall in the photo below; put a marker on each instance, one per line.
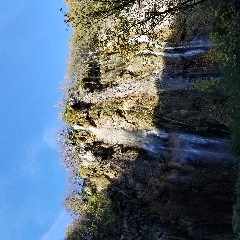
(158, 145)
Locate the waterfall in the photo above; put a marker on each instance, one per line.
(113, 136)
(180, 145)
(139, 147)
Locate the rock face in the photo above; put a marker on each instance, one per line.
(159, 146)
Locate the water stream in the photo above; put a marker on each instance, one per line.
(182, 147)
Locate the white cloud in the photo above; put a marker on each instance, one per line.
(58, 228)
(49, 136)
(30, 165)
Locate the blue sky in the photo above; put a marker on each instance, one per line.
(34, 52)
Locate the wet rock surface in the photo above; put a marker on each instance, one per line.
(160, 148)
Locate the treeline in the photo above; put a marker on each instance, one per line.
(104, 28)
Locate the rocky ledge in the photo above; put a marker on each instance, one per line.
(159, 146)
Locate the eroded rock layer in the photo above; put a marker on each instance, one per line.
(159, 146)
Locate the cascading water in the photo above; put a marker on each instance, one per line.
(113, 136)
(183, 147)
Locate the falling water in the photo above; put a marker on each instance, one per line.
(113, 136)
(180, 146)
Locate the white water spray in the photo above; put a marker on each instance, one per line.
(113, 136)
(158, 142)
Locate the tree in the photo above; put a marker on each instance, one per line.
(116, 22)
(103, 28)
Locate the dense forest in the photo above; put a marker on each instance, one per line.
(151, 107)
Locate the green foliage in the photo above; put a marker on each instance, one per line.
(112, 24)
(226, 34)
(71, 116)
(226, 30)
(99, 219)
(211, 85)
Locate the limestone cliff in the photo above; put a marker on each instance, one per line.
(157, 144)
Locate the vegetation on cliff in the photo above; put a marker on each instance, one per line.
(114, 42)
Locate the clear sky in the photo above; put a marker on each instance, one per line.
(33, 60)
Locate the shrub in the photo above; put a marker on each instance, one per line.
(99, 219)
(211, 85)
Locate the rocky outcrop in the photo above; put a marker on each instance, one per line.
(159, 146)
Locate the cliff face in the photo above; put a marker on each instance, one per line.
(158, 145)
